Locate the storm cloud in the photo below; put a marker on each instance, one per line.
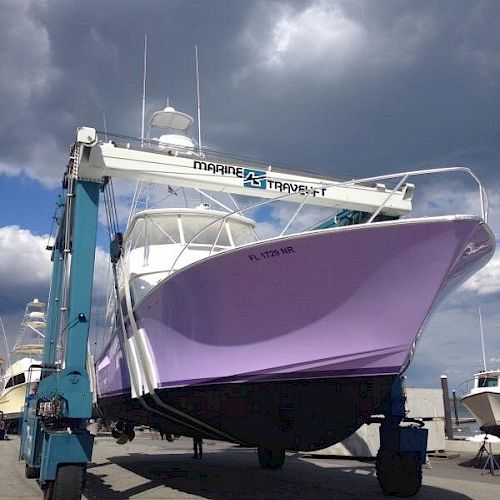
(345, 88)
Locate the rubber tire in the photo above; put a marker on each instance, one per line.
(68, 483)
(399, 474)
(48, 490)
(130, 434)
(31, 472)
(271, 458)
(115, 434)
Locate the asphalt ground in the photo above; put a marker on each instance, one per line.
(150, 468)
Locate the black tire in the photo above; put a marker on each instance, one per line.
(67, 485)
(31, 472)
(399, 474)
(115, 434)
(131, 434)
(271, 458)
(48, 490)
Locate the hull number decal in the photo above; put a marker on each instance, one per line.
(268, 254)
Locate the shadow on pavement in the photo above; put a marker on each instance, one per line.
(235, 473)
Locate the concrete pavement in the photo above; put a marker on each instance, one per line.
(149, 468)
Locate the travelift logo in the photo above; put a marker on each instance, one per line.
(254, 178)
(258, 179)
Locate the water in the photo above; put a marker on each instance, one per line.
(465, 429)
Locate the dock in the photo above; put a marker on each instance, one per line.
(149, 468)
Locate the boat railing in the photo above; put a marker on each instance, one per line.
(223, 218)
(466, 387)
(189, 152)
(479, 384)
(402, 176)
(167, 149)
(405, 176)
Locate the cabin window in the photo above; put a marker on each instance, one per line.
(135, 238)
(162, 230)
(16, 380)
(488, 382)
(242, 233)
(140, 285)
(193, 225)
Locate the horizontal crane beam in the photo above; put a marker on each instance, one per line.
(100, 160)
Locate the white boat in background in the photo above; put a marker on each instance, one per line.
(483, 401)
(481, 395)
(21, 375)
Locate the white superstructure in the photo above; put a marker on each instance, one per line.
(483, 400)
(23, 373)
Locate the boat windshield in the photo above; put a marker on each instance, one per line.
(188, 228)
(487, 382)
(205, 230)
(16, 380)
(161, 242)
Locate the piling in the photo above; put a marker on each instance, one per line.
(457, 421)
(448, 428)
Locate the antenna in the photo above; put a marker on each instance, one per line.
(105, 127)
(6, 342)
(482, 338)
(144, 87)
(198, 96)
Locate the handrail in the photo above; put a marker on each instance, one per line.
(235, 212)
(468, 385)
(465, 387)
(189, 152)
(404, 176)
(414, 173)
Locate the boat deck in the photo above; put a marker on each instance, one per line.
(151, 468)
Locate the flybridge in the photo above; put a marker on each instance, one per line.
(98, 160)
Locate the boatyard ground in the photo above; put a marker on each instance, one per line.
(151, 468)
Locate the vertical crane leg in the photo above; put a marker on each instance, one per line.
(55, 435)
(31, 435)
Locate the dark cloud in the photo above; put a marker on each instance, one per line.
(349, 88)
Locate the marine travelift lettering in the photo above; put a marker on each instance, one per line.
(219, 168)
(274, 185)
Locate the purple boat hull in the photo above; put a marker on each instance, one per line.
(343, 306)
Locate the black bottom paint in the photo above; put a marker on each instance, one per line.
(293, 414)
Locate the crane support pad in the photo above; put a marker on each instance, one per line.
(64, 448)
(402, 439)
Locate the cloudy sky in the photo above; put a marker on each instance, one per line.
(349, 88)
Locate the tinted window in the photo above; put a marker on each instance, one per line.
(488, 382)
(16, 380)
